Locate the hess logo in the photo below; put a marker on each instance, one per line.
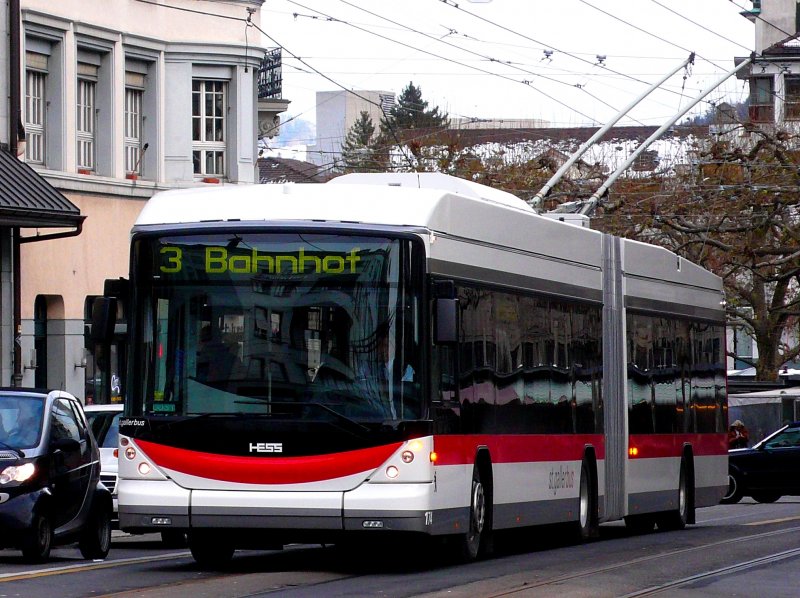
(266, 447)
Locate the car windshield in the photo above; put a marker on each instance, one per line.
(20, 421)
(105, 427)
(266, 323)
(787, 438)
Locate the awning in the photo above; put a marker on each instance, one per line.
(28, 200)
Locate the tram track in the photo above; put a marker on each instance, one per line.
(730, 569)
(251, 583)
(627, 564)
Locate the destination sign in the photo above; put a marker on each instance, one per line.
(219, 260)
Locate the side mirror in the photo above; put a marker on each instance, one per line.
(66, 445)
(104, 319)
(445, 321)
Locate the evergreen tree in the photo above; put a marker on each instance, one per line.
(358, 149)
(410, 112)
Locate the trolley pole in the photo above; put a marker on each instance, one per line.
(592, 201)
(536, 201)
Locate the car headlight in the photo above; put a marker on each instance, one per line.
(18, 473)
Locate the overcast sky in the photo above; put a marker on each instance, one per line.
(563, 61)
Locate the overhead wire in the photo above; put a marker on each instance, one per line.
(457, 6)
(339, 85)
(703, 27)
(483, 56)
(548, 96)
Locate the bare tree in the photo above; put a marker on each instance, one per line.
(735, 213)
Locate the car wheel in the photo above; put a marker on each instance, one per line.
(95, 540)
(735, 489)
(174, 538)
(37, 541)
(766, 498)
(210, 550)
(474, 543)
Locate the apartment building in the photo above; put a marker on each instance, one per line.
(121, 99)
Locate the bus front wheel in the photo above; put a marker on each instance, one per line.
(475, 541)
(210, 550)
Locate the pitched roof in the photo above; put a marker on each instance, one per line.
(286, 170)
(27, 200)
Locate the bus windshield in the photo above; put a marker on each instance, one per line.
(292, 325)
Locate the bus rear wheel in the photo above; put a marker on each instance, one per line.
(677, 519)
(210, 550)
(586, 525)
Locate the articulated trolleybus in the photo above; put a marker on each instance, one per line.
(408, 354)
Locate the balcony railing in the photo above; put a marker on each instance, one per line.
(270, 77)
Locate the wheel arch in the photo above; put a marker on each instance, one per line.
(590, 459)
(688, 462)
(483, 461)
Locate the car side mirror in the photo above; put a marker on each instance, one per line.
(65, 445)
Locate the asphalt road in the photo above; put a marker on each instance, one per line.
(747, 549)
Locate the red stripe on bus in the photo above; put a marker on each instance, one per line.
(267, 470)
(461, 449)
(651, 446)
(516, 448)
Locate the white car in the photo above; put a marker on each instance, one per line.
(104, 422)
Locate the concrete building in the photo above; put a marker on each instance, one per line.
(122, 99)
(336, 111)
(26, 199)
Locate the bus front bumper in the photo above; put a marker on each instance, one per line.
(153, 505)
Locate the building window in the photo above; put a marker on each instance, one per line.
(35, 84)
(762, 105)
(792, 98)
(86, 124)
(208, 127)
(133, 130)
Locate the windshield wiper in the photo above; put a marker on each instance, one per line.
(12, 449)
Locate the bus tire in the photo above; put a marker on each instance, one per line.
(586, 527)
(474, 543)
(678, 518)
(210, 550)
(173, 538)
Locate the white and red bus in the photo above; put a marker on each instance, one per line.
(409, 354)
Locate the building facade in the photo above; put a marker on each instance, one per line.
(336, 112)
(121, 99)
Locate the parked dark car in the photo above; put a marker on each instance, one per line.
(50, 489)
(768, 470)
